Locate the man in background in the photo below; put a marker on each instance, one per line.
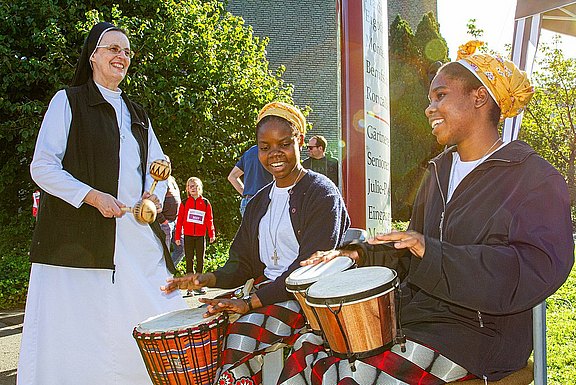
(167, 219)
(255, 176)
(318, 161)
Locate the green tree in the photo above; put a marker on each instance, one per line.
(431, 45)
(412, 144)
(198, 70)
(549, 120)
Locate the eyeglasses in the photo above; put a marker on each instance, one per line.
(311, 147)
(116, 50)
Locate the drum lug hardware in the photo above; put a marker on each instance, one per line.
(402, 341)
(352, 361)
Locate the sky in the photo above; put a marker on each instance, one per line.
(495, 17)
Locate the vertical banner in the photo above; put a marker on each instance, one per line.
(366, 114)
(377, 116)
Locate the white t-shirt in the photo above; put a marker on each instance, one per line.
(275, 233)
(460, 169)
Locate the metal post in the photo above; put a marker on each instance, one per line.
(539, 336)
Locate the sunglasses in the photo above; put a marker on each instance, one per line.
(311, 147)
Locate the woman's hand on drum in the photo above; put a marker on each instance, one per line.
(412, 240)
(219, 305)
(233, 305)
(189, 282)
(325, 256)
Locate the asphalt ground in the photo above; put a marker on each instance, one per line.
(11, 322)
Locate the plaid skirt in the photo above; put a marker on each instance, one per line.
(310, 364)
(252, 335)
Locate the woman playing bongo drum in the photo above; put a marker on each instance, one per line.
(490, 237)
(284, 223)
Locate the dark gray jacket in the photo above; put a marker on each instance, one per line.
(499, 247)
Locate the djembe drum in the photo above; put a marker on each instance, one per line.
(182, 347)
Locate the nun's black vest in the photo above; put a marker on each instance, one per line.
(82, 237)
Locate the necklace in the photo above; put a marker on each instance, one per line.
(453, 183)
(486, 153)
(274, 237)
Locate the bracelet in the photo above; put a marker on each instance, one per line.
(248, 301)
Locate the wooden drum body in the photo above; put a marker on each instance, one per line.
(356, 309)
(182, 347)
(301, 279)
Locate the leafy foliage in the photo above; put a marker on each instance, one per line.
(411, 56)
(14, 264)
(199, 72)
(216, 256)
(549, 123)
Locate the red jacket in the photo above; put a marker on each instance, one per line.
(195, 216)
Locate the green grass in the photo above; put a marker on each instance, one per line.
(561, 333)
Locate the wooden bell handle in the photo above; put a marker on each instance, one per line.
(153, 186)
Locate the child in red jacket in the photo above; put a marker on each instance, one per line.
(195, 217)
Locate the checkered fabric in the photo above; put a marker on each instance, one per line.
(252, 335)
(310, 364)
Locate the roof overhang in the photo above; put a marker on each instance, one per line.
(557, 15)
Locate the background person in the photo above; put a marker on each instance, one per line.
(167, 219)
(490, 237)
(318, 161)
(94, 269)
(254, 174)
(195, 220)
(283, 224)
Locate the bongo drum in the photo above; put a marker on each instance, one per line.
(300, 279)
(356, 309)
(182, 347)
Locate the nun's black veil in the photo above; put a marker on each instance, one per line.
(83, 68)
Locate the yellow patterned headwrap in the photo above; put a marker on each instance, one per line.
(508, 86)
(286, 111)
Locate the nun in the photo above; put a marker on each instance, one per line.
(95, 270)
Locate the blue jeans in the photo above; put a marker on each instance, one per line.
(244, 202)
(177, 251)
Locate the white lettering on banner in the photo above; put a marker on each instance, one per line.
(196, 216)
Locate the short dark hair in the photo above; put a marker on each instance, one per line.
(320, 141)
(457, 71)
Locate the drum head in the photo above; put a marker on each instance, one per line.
(351, 285)
(304, 276)
(175, 320)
